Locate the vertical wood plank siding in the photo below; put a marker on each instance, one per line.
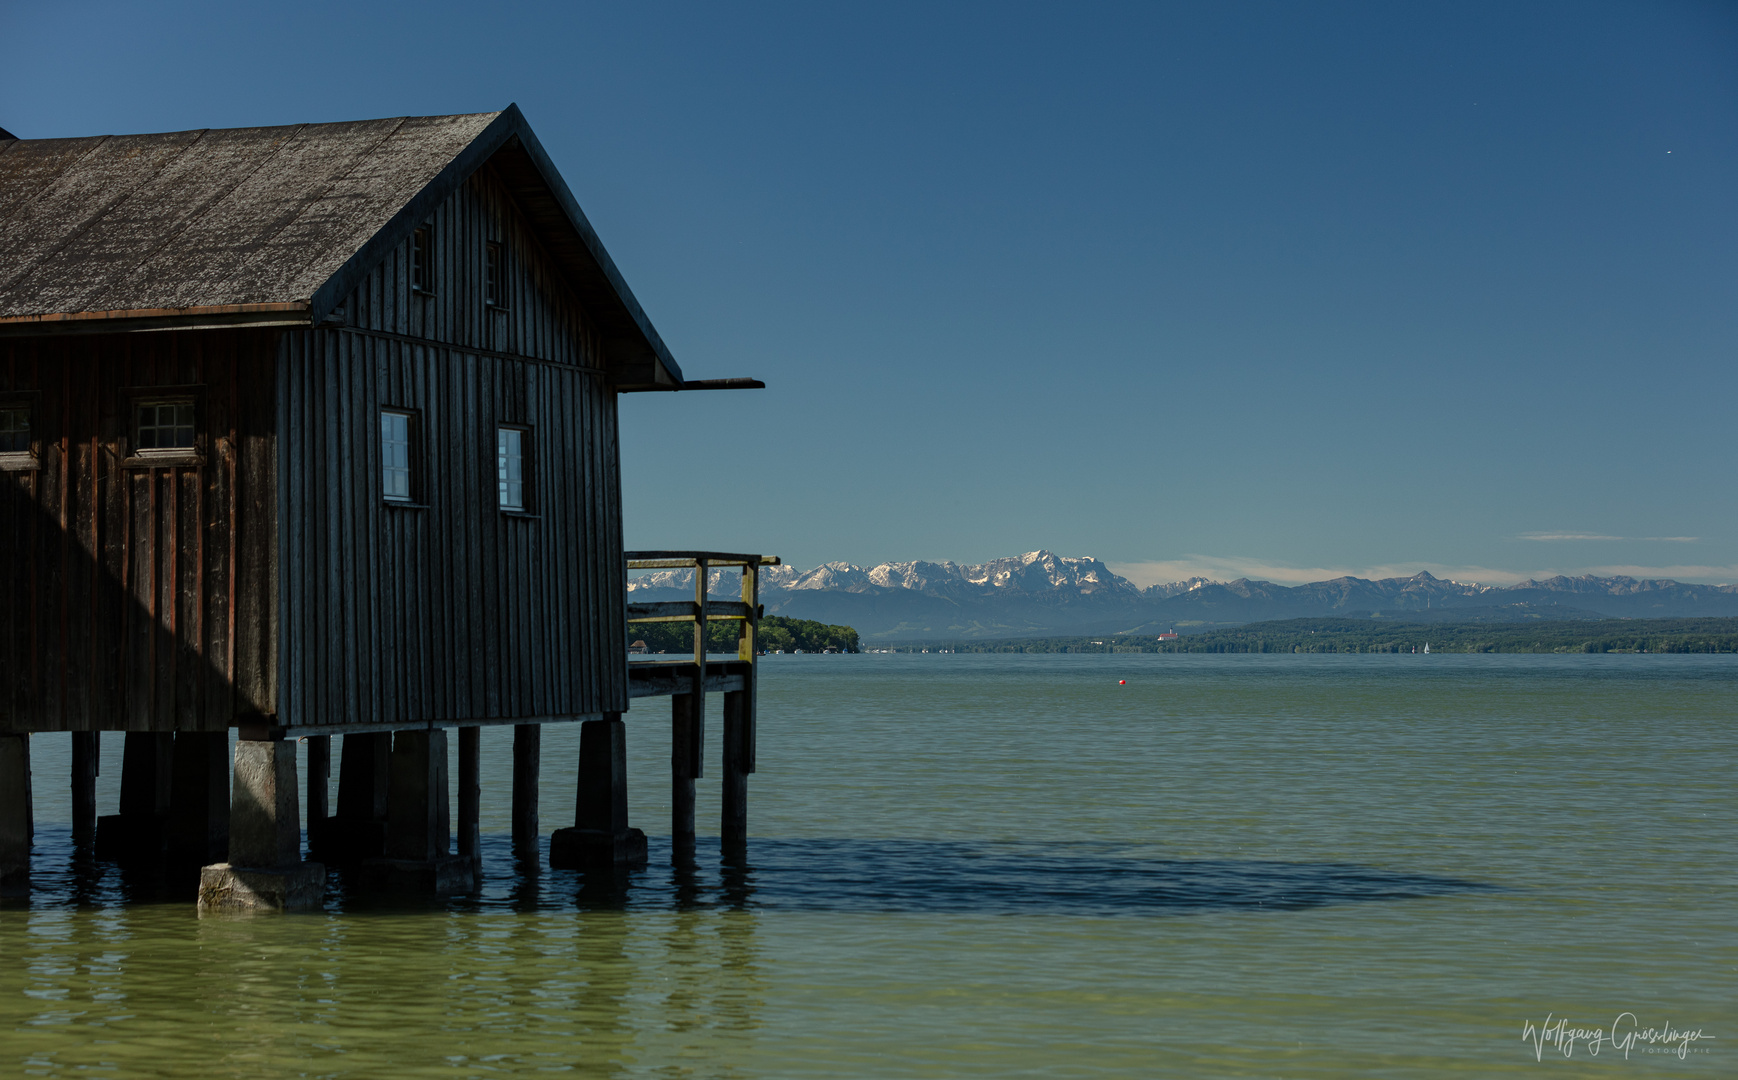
(135, 598)
(451, 610)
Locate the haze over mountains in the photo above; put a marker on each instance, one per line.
(1040, 593)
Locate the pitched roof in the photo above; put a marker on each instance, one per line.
(272, 225)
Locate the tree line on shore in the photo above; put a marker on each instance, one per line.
(776, 634)
(1372, 636)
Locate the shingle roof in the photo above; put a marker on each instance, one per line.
(270, 223)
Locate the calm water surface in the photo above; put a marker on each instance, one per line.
(1289, 866)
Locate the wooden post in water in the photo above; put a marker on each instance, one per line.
(527, 755)
(470, 791)
(319, 784)
(687, 724)
(199, 800)
(136, 834)
(739, 724)
(358, 831)
(15, 823)
(86, 762)
(688, 731)
(736, 726)
(418, 823)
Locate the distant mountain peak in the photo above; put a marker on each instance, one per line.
(1040, 592)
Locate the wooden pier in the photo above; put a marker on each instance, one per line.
(686, 683)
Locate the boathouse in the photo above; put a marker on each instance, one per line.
(311, 431)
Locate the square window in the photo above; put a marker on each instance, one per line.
(14, 429)
(396, 432)
(512, 462)
(162, 426)
(492, 293)
(421, 261)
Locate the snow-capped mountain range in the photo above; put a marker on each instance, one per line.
(1043, 593)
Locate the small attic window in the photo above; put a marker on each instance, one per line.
(421, 261)
(493, 294)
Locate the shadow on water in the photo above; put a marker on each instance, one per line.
(834, 875)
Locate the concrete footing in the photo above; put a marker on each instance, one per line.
(419, 837)
(580, 849)
(600, 836)
(265, 871)
(226, 888)
(449, 875)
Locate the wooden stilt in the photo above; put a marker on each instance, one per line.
(363, 776)
(86, 757)
(319, 781)
(14, 809)
(737, 761)
(199, 803)
(687, 726)
(470, 791)
(136, 835)
(146, 776)
(358, 830)
(527, 755)
(418, 823)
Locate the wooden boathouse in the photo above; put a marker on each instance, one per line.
(311, 431)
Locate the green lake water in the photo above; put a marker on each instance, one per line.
(1001, 866)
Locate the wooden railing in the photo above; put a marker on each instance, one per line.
(703, 609)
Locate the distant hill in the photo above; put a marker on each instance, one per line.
(1353, 635)
(1043, 594)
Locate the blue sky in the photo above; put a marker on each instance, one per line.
(1271, 289)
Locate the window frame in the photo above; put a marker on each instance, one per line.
(28, 459)
(494, 275)
(422, 260)
(414, 466)
(135, 398)
(527, 471)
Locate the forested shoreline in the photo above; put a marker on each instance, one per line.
(1382, 636)
(776, 635)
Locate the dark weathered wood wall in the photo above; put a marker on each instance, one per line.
(139, 598)
(452, 610)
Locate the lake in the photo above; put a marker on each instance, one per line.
(1000, 866)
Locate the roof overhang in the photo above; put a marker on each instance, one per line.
(213, 317)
